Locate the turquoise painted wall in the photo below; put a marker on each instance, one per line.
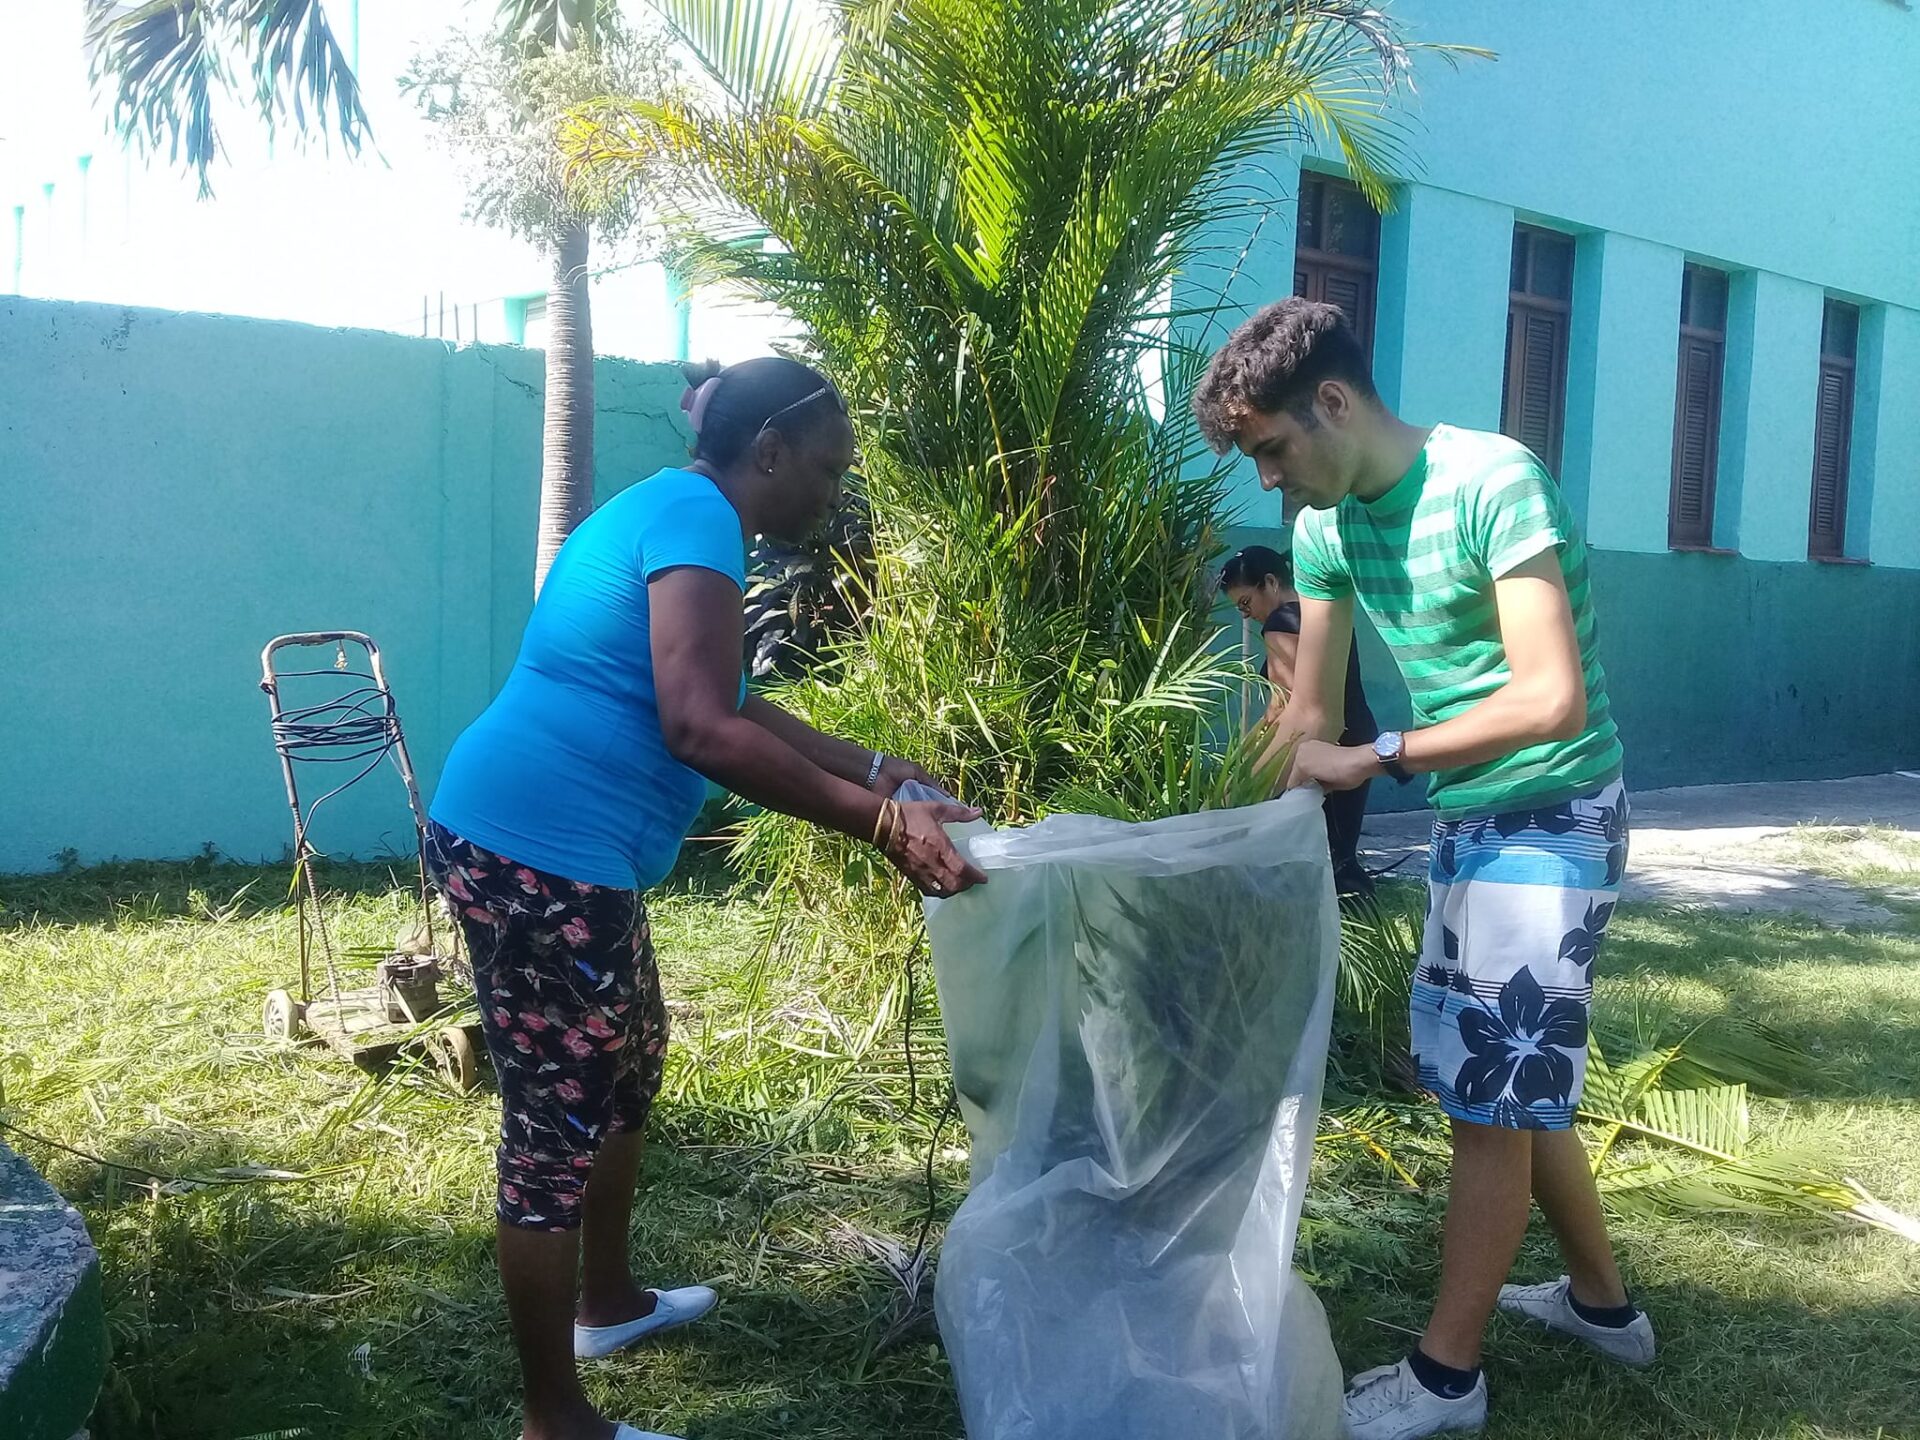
(1884, 519)
(1712, 127)
(1655, 135)
(1441, 337)
(1725, 668)
(176, 489)
(1766, 426)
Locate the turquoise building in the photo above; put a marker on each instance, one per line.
(1676, 249)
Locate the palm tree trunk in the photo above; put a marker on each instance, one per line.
(566, 466)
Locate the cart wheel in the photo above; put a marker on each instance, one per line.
(453, 1053)
(283, 1017)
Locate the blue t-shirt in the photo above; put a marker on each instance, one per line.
(567, 771)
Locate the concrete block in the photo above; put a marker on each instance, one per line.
(53, 1328)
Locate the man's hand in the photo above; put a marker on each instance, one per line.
(1334, 767)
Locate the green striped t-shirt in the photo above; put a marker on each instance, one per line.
(1421, 560)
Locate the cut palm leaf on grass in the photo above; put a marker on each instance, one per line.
(1774, 1183)
(1712, 1123)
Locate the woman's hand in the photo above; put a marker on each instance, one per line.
(921, 851)
(895, 772)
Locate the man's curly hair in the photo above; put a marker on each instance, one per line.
(1276, 361)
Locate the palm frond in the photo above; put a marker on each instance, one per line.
(1779, 1182)
(763, 54)
(551, 24)
(1713, 1122)
(1376, 1131)
(1181, 679)
(981, 211)
(163, 63)
(297, 63)
(1731, 1047)
(1679, 1098)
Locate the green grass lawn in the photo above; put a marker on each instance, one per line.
(361, 1301)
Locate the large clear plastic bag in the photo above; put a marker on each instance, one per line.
(1137, 1016)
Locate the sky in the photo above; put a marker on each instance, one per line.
(292, 232)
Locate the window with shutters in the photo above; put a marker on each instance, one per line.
(1533, 402)
(1833, 431)
(1336, 255)
(1696, 407)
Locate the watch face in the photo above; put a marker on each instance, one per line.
(1387, 747)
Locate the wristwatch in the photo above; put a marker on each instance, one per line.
(1388, 749)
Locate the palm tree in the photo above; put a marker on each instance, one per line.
(566, 442)
(980, 208)
(166, 64)
(498, 102)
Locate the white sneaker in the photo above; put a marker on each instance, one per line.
(1391, 1404)
(671, 1308)
(1551, 1305)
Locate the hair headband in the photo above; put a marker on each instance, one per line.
(696, 400)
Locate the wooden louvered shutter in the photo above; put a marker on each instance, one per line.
(1353, 293)
(1832, 436)
(1533, 403)
(1540, 366)
(1696, 444)
(1696, 407)
(1536, 387)
(1337, 251)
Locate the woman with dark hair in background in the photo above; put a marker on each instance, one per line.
(1259, 581)
(570, 797)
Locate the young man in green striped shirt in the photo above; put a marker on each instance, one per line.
(1462, 551)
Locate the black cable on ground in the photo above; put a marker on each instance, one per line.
(939, 1124)
(1386, 870)
(933, 1187)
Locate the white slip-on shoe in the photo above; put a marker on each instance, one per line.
(671, 1308)
(1551, 1305)
(1391, 1404)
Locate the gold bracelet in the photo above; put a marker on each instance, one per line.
(880, 826)
(895, 823)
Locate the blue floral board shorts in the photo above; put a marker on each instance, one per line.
(1517, 907)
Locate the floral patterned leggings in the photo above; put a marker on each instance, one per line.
(575, 1024)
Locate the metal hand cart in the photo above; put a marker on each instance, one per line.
(347, 718)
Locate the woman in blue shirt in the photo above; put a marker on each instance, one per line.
(570, 797)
